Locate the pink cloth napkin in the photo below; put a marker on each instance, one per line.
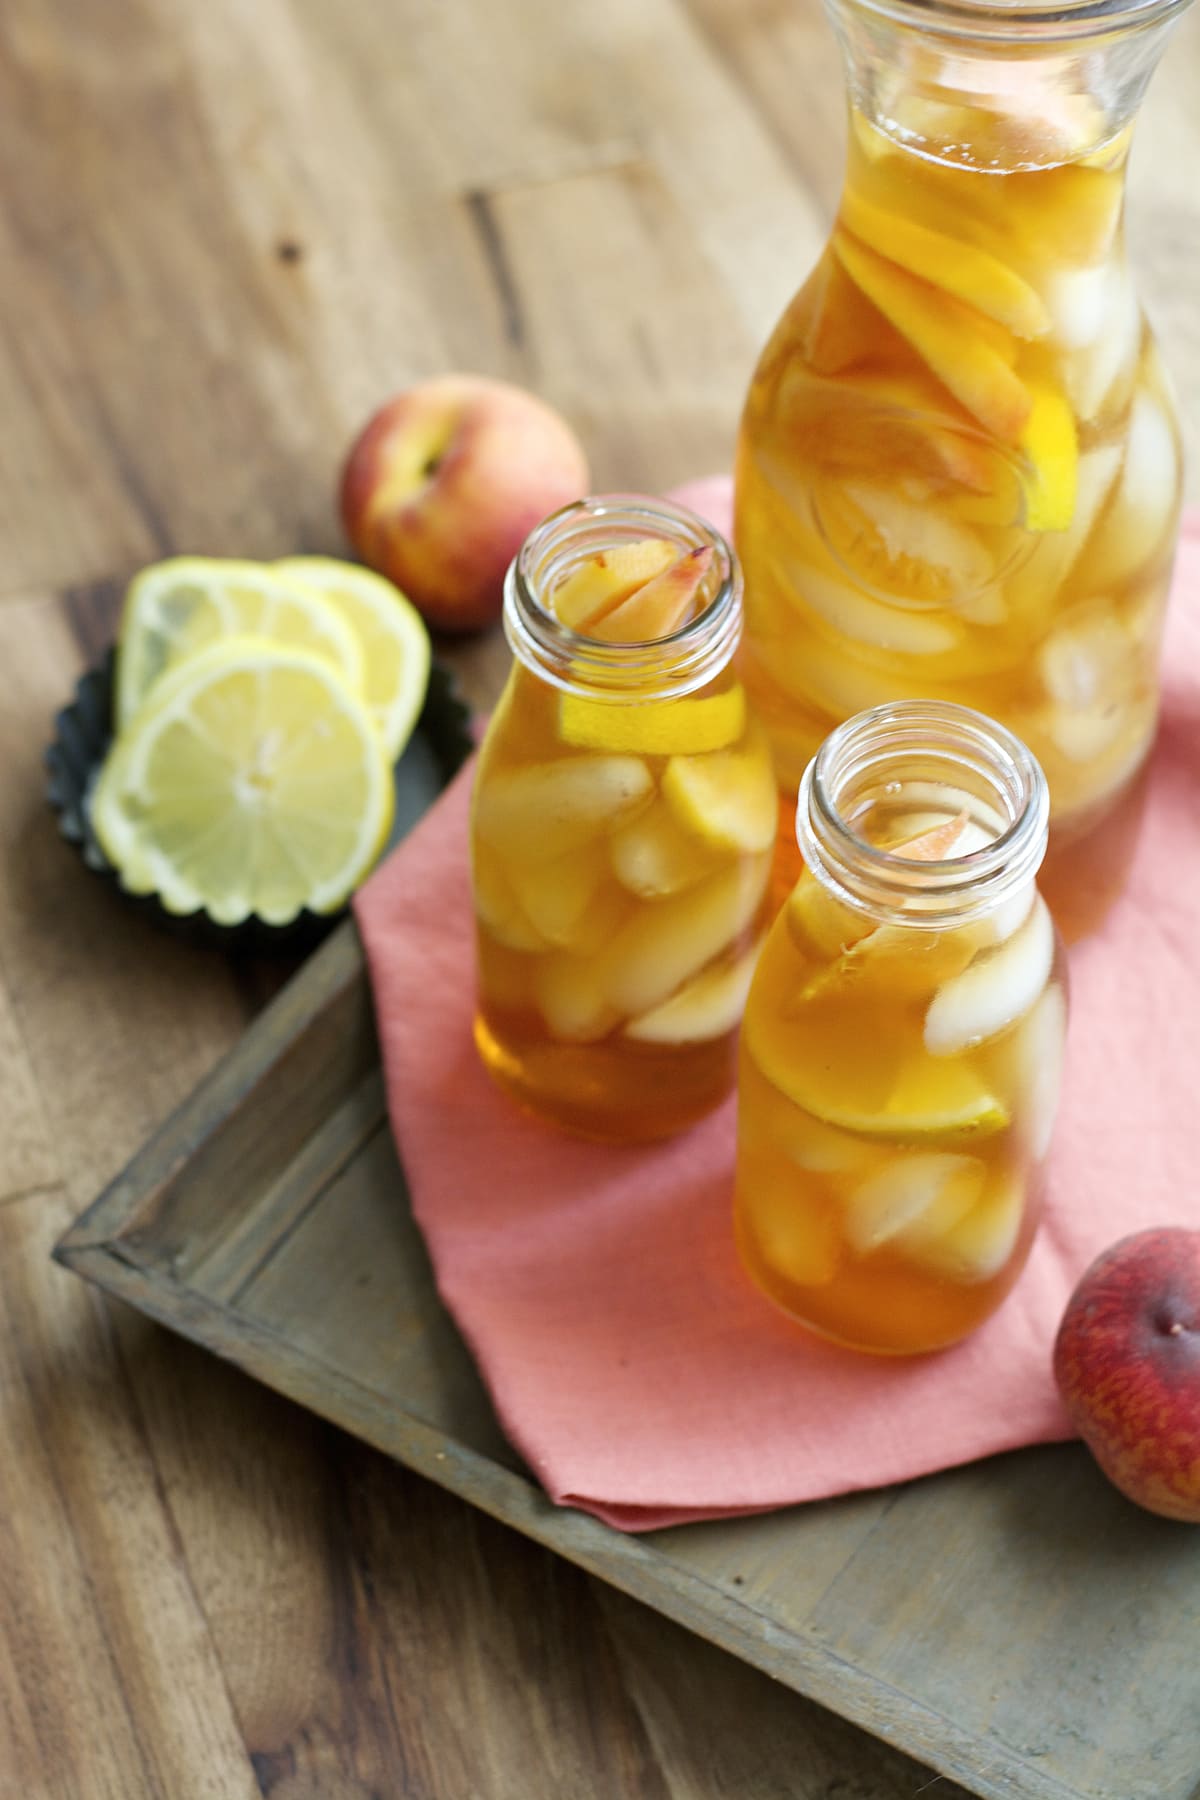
(630, 1360)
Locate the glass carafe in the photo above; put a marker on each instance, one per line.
(959, 471)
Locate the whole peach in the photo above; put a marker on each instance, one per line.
(445, 482)
(1127, 1364)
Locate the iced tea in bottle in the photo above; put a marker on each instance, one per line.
(623, 822)
(958, 472)
(903, 1037)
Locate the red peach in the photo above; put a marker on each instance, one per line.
(444, 484)
(1127, 1364)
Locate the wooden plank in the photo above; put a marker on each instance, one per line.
(109, 1684)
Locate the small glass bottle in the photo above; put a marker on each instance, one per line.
(903, 1038)
(623, 822)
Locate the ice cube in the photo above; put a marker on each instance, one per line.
(1134, 527)
(705, 1008)
(912, 1197)
(994, 991)
(572, 901)
(547, 809)
(979, 1244)
(571, 1000)
(667, 942)
(496, 905)
(1038, 1054)
(1079, 301)
(654, 856)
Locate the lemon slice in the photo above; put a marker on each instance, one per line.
(654, 727)
(176, 607)
(391, 635)
(927, 1101)
(252, 783)
(727, 798)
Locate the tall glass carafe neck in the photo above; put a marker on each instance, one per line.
(1002, 87)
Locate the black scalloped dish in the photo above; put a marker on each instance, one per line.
(83, 730)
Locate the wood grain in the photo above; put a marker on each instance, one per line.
(227, 231)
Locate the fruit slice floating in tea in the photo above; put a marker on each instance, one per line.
(962, 269)
(968, 353)
(601, 582)
(657, 608)
(673, 727)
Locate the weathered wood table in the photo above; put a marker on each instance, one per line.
(227, 232)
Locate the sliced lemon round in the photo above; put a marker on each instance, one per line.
(252, 783)
(654, 727)
(175, 608)
(728, 798)
(391, 635)
(925, 1101)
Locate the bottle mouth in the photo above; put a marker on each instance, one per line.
(1019, 21)
(655, 669)
(936, 757)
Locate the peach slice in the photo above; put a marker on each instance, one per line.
(842, 327)
(972, 275)
(547, 809)
(658, 607)
(967, 352)
(704, 1009)
(912, 1198)
(994, 991)
(601, 582)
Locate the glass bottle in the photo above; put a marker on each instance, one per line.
(623, 823)
(903, 1037)
(958, 473)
